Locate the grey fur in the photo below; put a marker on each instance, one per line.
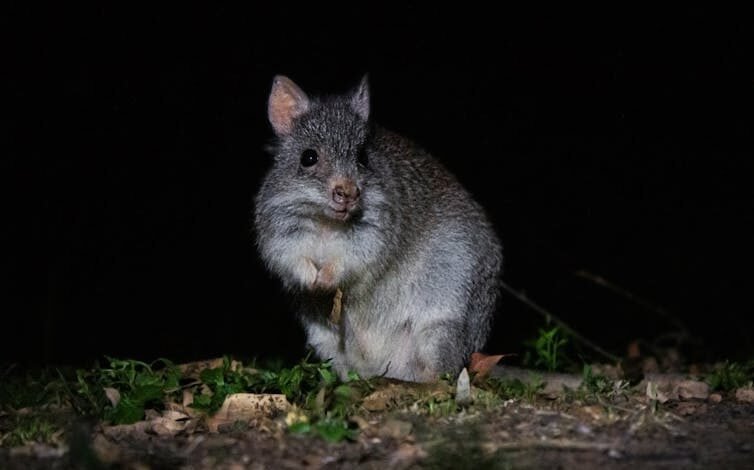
(415, 257)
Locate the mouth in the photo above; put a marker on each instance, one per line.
(342, 213)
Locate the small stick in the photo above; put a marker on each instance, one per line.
(602, 282)
(549, 316)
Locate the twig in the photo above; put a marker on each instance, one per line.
(549, 316)
(602, 282)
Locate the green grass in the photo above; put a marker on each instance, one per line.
(30, 389)
(516, 389)
(312, 386)
(120, 391)
(547, 350)
(731, 375)
(24, 429)
(140, 386)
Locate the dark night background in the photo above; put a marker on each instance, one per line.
(617, 143)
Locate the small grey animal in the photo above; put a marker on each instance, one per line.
(393, 267)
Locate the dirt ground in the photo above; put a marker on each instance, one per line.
(548, 431)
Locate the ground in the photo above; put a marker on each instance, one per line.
(676, 423)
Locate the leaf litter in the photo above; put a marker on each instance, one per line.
(220, 414)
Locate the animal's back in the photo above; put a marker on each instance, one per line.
(432, 305)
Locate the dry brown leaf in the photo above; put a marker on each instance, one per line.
(482, 364)
(402, 393)
(248, 406)
(688, 389)
(172, 423)
(191, 412)
(377, 401)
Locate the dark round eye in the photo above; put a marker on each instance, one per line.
(309, 157)
(362, 158)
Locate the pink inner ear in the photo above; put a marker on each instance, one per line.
(282, 112)
(286, 103)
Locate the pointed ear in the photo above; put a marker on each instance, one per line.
(360, 99)
(287, 102)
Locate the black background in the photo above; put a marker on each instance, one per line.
(615, 142)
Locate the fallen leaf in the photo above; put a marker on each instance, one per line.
(376, 402)
(248, 406)
(396, 393)
(172, 423)
(191, 412)
(481, 364)
(688, 389)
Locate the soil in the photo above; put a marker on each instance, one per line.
(548, 431)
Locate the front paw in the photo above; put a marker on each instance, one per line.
(327, 278)
(308, 272)
(319, 278)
